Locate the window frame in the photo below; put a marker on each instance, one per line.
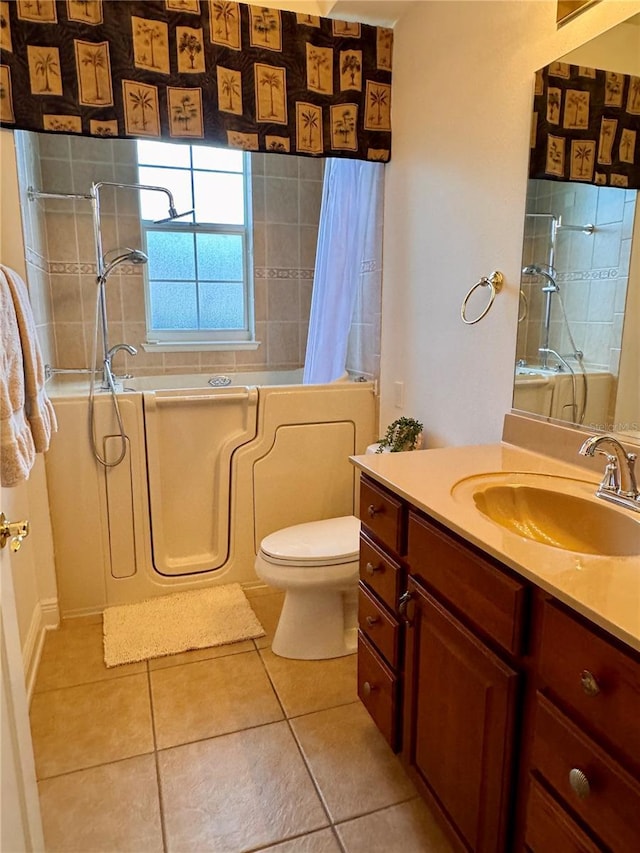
(204, 339)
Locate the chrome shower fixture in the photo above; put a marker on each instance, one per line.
(536, 269)
(134, 256)
(173, 214)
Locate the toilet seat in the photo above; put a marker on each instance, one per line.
(329, 542)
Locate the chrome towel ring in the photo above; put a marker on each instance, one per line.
(494, 283)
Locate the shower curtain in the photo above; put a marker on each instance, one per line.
(349, 214)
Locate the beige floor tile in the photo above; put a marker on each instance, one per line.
(316, 842)
(201, 654)
(267, 608)
(79, 727)
(237, 792)
(114, 807)
(211, 697)
(73, 654)
(409, 827)
(312, 685)
(351, 762)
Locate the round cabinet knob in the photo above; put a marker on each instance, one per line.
(370, 569)
(368, 688)
(373, 510)
(589, 683)
(579, 783)
(372, 620)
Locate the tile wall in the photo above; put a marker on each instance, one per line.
(593, 270)
(287, 192)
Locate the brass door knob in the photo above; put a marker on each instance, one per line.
(16, 531)
(589, 683)
(579, 783)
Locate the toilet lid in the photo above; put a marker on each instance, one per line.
(325, 543)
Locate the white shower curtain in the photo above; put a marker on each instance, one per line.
(350, 205)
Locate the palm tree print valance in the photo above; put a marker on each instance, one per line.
(586, 126)
(227, 73)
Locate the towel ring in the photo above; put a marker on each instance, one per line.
(494, 283)
(525, 306)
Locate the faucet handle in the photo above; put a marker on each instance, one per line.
(611, 479)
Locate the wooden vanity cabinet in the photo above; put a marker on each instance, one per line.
(382, 581)
(461, 684)
(494, 692)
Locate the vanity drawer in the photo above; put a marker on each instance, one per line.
(486, 595)
(378, 690)
(593, 678)
(378, 626)
(611, 806)
(549, 827)
(380, 572)
(383, 514)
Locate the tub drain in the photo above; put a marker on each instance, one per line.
(219, 381)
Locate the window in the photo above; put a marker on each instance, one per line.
(199, 277)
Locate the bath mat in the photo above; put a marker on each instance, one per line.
(178, 622)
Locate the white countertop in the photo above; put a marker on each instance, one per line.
(604, 589)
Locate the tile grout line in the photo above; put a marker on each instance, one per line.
(163, 828)
(304, 760)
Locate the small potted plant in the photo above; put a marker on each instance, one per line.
(403, 434)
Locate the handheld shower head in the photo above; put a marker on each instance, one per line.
(133, 256)
(536, 269)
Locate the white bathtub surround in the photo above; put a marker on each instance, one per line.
(209, 472)
(197, 619)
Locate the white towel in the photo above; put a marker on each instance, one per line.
(27, 418)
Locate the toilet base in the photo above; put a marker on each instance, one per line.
(312, 626)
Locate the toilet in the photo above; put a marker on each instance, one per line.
(316, 564)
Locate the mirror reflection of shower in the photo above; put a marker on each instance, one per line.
(575, 268)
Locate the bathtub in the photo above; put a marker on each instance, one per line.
(209, 471)
(550, 393)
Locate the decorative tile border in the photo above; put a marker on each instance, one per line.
(283, 273)
(588, 275)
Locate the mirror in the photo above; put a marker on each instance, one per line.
(577, 355)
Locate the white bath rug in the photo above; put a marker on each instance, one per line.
(176, 623)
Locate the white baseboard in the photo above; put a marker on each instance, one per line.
(46, 616)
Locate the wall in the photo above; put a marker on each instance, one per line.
(33, 566)
(455, 202)
(286, 207)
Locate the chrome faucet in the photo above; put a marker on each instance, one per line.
(619, 484)
(107, 375)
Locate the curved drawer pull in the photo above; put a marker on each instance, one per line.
(372, 620)
(589, 683)
(370, 569)
(405, 598)
(373, 510)
(579, 783)
(368, 688)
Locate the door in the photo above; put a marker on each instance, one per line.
(20, 824)
(458, 726)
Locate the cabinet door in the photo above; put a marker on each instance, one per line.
(458, 723)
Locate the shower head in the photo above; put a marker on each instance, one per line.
(133, 256)
(536, 269)
(173, 214)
